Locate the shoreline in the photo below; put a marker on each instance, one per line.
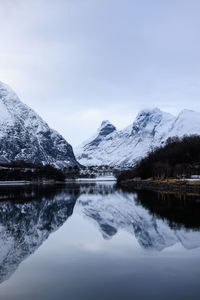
(18, 182)
(168, 185)
(24, 182)
(46, 182)
(97, 179)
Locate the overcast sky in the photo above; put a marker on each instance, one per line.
(78, 62)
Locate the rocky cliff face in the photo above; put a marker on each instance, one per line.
(123, 148)
(25, 136)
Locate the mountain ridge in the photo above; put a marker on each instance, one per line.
(151, 128)
(24, 135)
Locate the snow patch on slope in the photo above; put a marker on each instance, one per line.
(152, 128)
(24, 135)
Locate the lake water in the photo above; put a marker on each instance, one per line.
(94, 241)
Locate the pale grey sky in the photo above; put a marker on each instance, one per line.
(78, 62)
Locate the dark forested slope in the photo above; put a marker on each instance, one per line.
(179, 158)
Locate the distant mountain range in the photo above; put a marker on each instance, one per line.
(123, 148)
(25, 136)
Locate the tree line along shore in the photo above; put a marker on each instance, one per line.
(173, 167)
(174, 164)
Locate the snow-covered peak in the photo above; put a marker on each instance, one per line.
(106, 128)
(186, 123)
(190, 117)
(149, 114)
(123, 148)
(16, 110)
(147, 120)
(150, 111)
(25, 135)
(6, 90)
(105, 123)
(187, 112)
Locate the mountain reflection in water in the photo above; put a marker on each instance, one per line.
(156, 220)
(28, 215)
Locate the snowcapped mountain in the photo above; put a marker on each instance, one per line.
(187, 122)
(125, 147)
(24, 135)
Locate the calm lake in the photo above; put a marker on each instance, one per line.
(94, 241)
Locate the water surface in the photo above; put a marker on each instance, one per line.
(93, 241)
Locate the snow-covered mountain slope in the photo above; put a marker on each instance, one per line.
(125, 147)
(103, 131)
(113, 212)
(186, 123)
(24, 135)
